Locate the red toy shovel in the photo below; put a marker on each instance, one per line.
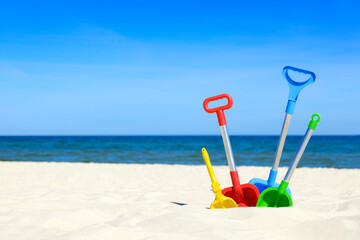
(245, 195)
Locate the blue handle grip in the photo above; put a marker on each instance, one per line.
(295, 87)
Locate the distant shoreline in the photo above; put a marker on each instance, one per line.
(322, 151)
(174, 135)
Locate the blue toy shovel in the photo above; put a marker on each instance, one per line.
(294, 90)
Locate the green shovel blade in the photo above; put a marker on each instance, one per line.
(275, 197)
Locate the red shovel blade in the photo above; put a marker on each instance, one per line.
(245, 195)
(250, 195)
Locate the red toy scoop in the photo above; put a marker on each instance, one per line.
(245, 195)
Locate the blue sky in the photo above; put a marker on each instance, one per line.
(122, 68)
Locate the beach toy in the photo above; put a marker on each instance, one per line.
(245, 195)
(278, 196)
(220, 200)
(294, 90)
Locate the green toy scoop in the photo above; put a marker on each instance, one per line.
(277, 196)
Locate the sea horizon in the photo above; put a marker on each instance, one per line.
(168, 135)
(329, 151)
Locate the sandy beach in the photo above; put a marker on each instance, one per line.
(134, 201)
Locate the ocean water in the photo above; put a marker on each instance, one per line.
(322, 151)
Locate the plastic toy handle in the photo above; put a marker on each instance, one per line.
(313, 123)
(208, 165)
(219, 110)
(296, 87)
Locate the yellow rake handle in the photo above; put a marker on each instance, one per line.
(215, 185)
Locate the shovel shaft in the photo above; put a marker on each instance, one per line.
(228, 150)
(280, 146)
(208, 165)
(298, 154)
(295, 88)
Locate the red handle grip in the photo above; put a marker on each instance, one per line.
(219, 110)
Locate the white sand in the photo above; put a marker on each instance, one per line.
(120, 201)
